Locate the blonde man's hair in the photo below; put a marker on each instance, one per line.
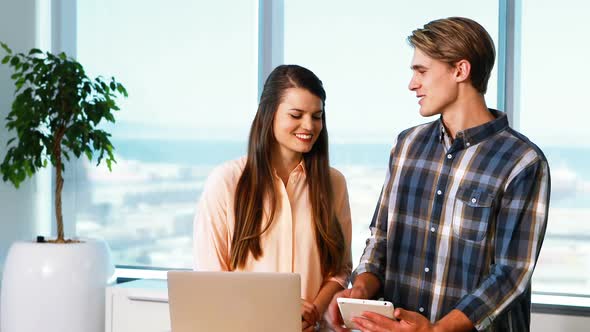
(457, 38)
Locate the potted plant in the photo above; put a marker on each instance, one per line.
(55, 115)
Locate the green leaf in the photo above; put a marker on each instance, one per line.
(121, 89)
(21, 175)
(8, 50)
(29, 170)
(6, 59)
(19, 83)
(35, 51)
(86, 88)
(14, 61)
(109, 117)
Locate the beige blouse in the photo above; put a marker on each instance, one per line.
(289, 245)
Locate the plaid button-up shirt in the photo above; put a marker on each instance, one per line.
(460, 223)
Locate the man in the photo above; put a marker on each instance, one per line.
(463, 211)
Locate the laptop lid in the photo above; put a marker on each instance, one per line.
(234, 301)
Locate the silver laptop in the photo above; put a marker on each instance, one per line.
(234, 301)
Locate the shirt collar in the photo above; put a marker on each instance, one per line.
(475, 135)
(300, 168)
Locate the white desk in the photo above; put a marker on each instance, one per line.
(140, 305)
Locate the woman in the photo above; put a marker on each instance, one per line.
(281, 208)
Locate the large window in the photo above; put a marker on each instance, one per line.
(190, 69)
(554, 114)
(359, 51)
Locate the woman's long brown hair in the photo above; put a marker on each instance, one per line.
(256, 182)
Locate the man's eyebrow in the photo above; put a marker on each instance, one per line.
(418, 67)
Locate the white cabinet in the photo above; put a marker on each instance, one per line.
(140, 305)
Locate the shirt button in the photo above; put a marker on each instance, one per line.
(432, 229)
(426, 270)
(439, 192)
(449, 156)
(421, 309)
(468, 144)
(474, 200)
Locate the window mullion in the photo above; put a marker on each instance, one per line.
(271, 23)
(509, 53)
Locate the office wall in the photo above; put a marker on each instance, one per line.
(19, 209)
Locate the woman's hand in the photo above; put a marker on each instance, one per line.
(309, 316)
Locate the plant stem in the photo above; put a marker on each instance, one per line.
(59, 182)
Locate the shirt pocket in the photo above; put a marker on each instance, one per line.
(471, 214)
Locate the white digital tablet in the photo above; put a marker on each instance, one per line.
(350, 308)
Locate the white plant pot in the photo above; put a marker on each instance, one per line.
(55, 287)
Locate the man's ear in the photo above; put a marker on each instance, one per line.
(462, 70)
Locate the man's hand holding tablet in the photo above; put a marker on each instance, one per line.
(350, 308)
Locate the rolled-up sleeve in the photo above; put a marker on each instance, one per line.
(374, 256)
(520, 229)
